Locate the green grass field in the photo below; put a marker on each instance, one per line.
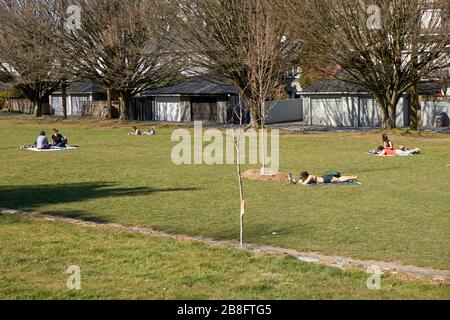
(35, 255)
(400, 213)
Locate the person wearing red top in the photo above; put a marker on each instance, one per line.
(387, 152)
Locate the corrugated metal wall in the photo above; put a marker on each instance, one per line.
(188, 109)
(280, 111)
(349, 111)
(142, 109)
(432, 107)
(209, 109)
(74, 104)
(24, 106)
(284, 111)
(171, 109)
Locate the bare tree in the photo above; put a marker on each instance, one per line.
(315, 66)
(119, 46)
(238, 136)
(385, 46)
(245, 41)
(29, 58)
(62, 8)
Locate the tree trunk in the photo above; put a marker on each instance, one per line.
(124, 106)
(414, 108)
(243, 204)
(392, 107)
(38, 108)
(262, 113)
(64, 99)
(109, 102)
(383, 110)
(253, 116)
(237, 140)
(237, 146)
(387, 107)
(391, 122)
(414, 104)
(256, 118)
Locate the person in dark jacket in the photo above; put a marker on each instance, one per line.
(58, 139)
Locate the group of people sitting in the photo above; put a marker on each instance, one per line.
(135, 131)
(58, 141)
(388, 150)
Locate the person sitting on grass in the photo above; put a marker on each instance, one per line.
(402, 152)
(58, 139)
(42, 142)
(306, 179)
(387, 143)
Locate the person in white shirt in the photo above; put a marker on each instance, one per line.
(42, 142)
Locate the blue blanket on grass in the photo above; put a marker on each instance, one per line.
(356, 183)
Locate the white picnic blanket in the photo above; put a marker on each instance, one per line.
(52, 149)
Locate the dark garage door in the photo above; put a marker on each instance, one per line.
(204, 109)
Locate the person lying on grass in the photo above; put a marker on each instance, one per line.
(306, 179)
(152, 132)
(136, 132)
(402, 152)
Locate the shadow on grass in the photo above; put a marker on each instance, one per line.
(27, 198)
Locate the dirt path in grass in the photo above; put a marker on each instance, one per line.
(406, 272)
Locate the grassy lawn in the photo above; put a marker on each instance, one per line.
(35, 255)
(400, 213)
